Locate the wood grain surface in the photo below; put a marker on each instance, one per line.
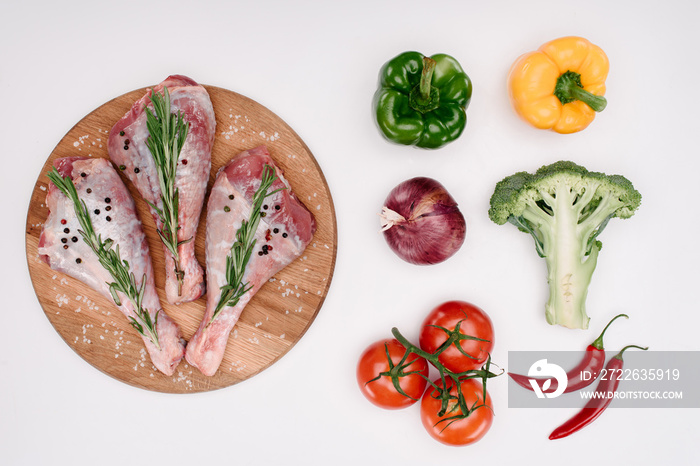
(277, 316)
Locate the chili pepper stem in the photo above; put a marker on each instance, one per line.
(619, 355)
(569, 89)
(598, 342)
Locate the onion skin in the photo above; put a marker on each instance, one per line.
(429, 227)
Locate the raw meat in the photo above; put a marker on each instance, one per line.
(282, 235)
(64, 249)
(129, 152)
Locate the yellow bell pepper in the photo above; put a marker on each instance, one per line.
(561, 85)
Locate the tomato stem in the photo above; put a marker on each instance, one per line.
(443, 393)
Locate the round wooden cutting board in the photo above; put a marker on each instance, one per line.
(274, 320)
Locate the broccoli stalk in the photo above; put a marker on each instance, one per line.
(564, 207)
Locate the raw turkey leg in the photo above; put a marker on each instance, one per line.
(113, 215)
(282, 235)
(128, 151)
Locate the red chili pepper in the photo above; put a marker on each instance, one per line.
(596, 405)
(592, 363)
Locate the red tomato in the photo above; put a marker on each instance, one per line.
(381, 391)
(474, 322)
(461, 431)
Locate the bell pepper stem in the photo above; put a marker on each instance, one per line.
(596, 102)
(569, 89)
(425, 97)
(426, 77)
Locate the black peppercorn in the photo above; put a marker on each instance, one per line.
(108, 208)
(74, 239)
(284, 235)
(78, 260)
(230, 196)
(276, 230)
(108, 218)
(66, 230)
(83, 175)
(64, 240)
(127, 142)
(136, 170)
(107, 200)
(89, 190)
(277, 207)
(265, 207)
(97, 211)
(260, 253)
(126, 147)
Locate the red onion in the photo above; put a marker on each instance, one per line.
(421, 222)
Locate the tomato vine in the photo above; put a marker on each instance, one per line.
(449, 402)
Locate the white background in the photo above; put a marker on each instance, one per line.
(315, 64)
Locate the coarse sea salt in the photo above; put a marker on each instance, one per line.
(62, 299)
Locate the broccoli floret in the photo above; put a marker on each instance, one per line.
(565, 208)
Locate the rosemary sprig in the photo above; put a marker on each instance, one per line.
(242, 248)
(168, 132)
(124, 280)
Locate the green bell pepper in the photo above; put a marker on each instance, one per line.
(422, 101)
